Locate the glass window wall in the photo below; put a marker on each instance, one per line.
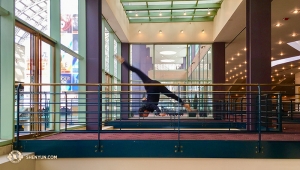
(171, 64)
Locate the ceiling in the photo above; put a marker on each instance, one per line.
(163, 11)
(289, 31)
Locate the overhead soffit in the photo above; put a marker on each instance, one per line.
(164, 11)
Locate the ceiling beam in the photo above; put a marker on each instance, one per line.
(168, 7)
(161, 20)
(155, 0)
(169, 14)
(3, 12)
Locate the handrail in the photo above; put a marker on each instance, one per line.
(149, 84)
(226, 104)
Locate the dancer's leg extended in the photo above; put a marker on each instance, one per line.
(142, 75)
(164, 90)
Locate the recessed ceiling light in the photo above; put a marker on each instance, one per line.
(240, 65)
(294, 35)
(167, 61)
(281, 53)
(168, 52)
(245, 49)
(278, 25)
(296, 11)
(231, 58)
(238, 54)
(280, 42)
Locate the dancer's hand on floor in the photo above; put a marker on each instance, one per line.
(187, 107)
(162, 114)
(120, 59)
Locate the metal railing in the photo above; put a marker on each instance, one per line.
(98, 110)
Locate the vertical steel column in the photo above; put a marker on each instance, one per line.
(82, 63)
(7, 70)
(259, 119)
(279, 113)
(56, 62)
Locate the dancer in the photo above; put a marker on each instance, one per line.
(153, 92)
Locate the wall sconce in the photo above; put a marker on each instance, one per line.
(202, 31)
(139, 31)
(160, 31)
(181, 31)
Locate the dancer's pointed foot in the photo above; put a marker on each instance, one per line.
(120, 59)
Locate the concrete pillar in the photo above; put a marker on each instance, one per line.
(93, 59)
(258, 57)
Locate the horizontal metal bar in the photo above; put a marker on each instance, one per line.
(152, 84)
(71, 52)
(169, 7)
(162, 20)
(169, 14)
(156, 0)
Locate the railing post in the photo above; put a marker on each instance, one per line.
(66, 110)
(259, 119)
(18, 115)
(99, 117)
(242, 110)
(291, 109)
(279, 120)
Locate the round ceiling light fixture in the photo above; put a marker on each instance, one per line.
(167, 61)
(168, 52)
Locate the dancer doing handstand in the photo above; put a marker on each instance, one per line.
(153, 91)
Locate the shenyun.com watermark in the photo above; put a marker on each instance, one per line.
(16, 156)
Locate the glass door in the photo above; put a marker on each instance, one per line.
(32, 67)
